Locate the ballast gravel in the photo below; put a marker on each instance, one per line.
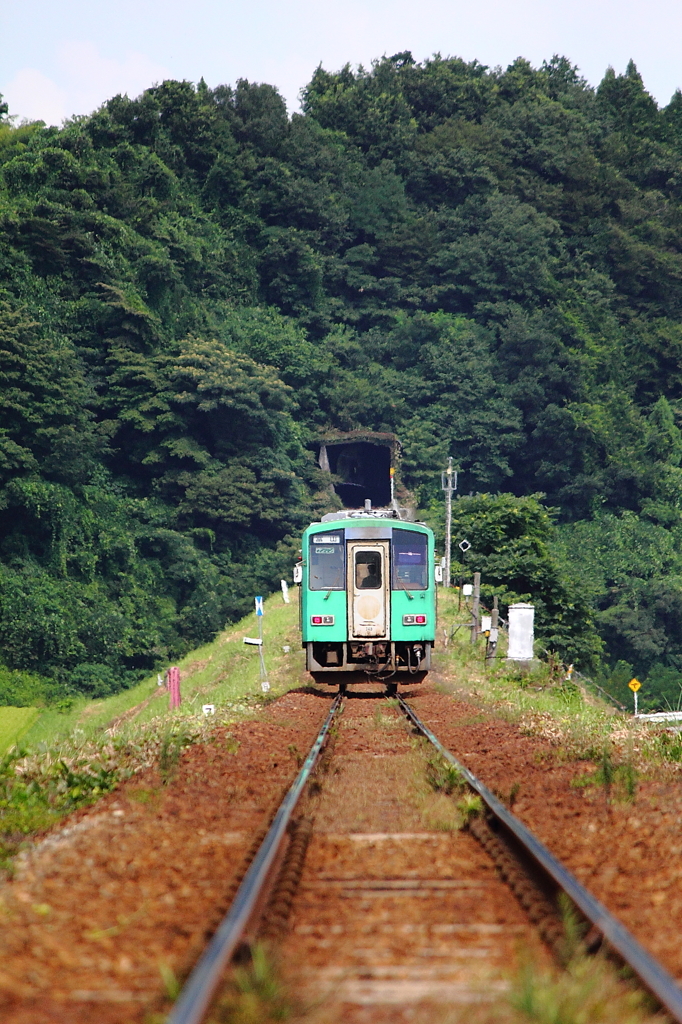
(393, 921)
(625, 851)
(104, 911)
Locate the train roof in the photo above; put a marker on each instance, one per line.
(348, 519)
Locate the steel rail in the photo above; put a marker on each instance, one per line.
(661, 984)
(196, 995)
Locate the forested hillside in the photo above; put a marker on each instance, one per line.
(195, 286)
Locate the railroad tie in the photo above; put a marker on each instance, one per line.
(543, 914)
(276, 916)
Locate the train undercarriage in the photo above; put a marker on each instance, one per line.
(379, 659)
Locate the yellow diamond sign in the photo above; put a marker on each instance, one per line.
(634, 685)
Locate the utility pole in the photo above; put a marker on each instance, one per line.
(448, 481)
(475, 607)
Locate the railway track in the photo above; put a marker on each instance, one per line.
(404, 914)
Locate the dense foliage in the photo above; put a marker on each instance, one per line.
(194, 286)
(511, 547)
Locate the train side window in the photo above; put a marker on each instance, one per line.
(368, 570)
(327, 562)
(410, 562)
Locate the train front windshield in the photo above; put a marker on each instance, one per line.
(410, 565)
(327, 561)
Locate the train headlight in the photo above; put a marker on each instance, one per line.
(414, 620)
(321, 620)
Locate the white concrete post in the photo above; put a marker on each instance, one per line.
(521, 635)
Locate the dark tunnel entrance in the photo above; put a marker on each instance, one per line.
(365, 471)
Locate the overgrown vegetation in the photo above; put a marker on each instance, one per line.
(36, 790)
(570, 715)
(586, 989)
(39, 786)
(67, 759)
(173, 741)
(196, 287)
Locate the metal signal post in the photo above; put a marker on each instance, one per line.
(449, 484)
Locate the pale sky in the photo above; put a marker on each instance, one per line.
(65, 57)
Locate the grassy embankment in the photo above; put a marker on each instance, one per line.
(224, 672)
(75, 756)
(66, 759)
(14, 724)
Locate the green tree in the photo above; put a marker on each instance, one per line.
(45, 426)
(510, 546)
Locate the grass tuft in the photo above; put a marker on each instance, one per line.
(173, 741)
(171, 984)
(588, 991)
(254, 995)
(444, 777)
(619, 781)
(470, 807)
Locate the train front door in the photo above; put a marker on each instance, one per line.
(368, 589)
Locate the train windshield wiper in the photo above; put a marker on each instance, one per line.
(398, 579)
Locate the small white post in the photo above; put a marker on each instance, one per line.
(285, 591)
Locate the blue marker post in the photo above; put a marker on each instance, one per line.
(264, 684)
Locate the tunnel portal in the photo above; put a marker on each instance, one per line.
(362, 468)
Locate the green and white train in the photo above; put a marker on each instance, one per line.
(368, 598)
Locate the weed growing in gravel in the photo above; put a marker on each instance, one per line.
(173, 741)
(232, 744)
(296, 754)
(439, 813)
(143, 795)
(618, 780)
(588, 990)
(442, 776)
(171, 983)
(438, 808)
(255, 994)
(383, 721)
(509, 797)
(668, 746)
(470, 806)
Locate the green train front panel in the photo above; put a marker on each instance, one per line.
(317, 605)
(407, 600)
(323, 593)
(324, 609)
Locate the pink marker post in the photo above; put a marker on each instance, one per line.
(174, 686)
